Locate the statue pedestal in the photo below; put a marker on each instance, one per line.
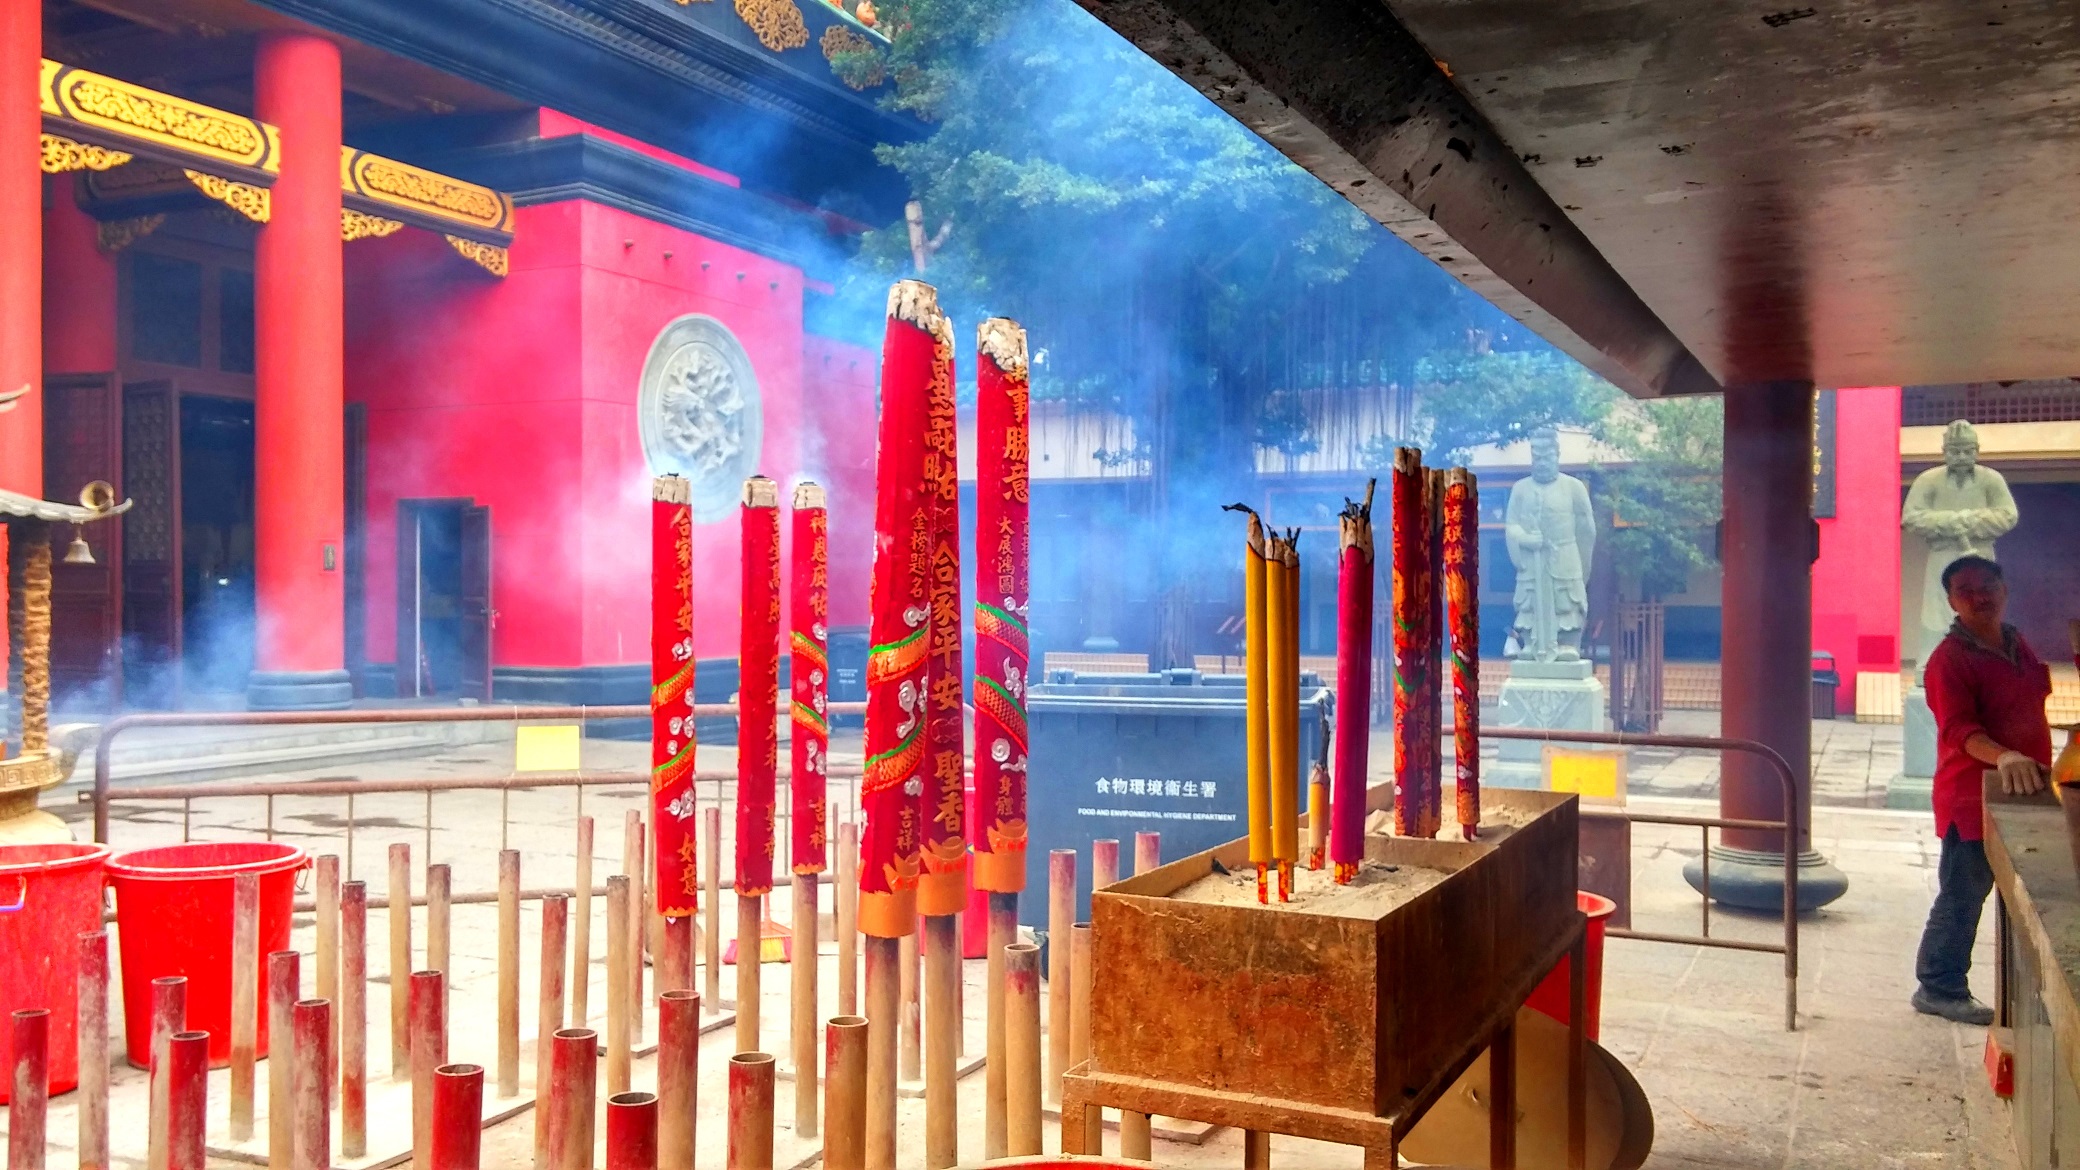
(1914, 786)
(1557, 696)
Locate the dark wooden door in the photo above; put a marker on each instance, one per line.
(151, 547)
(411, 659)
(356, 534)
(475, 615)
(82, 442)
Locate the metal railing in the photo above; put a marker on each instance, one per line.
(1788, 827)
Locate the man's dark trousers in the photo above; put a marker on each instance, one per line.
(1963, 879)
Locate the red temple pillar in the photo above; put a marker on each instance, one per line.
(21, 245)
(79, 327)
(1767, 546)
(299, 649)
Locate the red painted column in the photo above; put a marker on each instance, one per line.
(79, 323)
(1767, 546)
(21, 245)
(299, 647)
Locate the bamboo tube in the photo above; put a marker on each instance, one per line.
(678, 1077)
(428, 1001)
(549, 1002)
(675, 954)
(802, 1004)
(581, 931)
(353, 1020)
(1003, 931)
(632, 855)
(884, 1004)
(1134, 1136)
(169, 1015)
(573, 1088)
(618, 1005)
(311, 1125)
(1256, 1149)
(245, 1000)
(632, 1131)
(509, 973)
(1080, 1028)
(845, 1093)
(93, 1044)
(29, 1093)
(1061, 915)
(1022, 1049)
(187, 1100)
(458, 1112)
(1104, 863)
(942, 1024)
(711, 882)
(440, 921)
(1148, 852)
(400, 916)
(325, 884)
(848, 918)
(751, 1111)
(750, 965)
(284, 988)
(911, 1039)
(1257, 695)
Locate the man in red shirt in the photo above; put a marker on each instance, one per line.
(1987, 690)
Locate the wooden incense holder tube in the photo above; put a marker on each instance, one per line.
(802, 1005)
(428, 1002)
(245, 1000)
(284, 985)
(845, 1093)
(750, 1110)
(1061, 916)
(1022, 1049)
(311, 1121)
(678, 1077)
(884, 1006)
(353, 1020)
(618, 1005)
(508, 973)
(750, 942)
(93, 1050)
(942, 1022)
(580, 934)
(458, 1111)
(399, 914)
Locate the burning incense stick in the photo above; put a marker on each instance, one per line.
(677, 883)
(1257, 698)
(942, 889)
(1353, 687)
(1002, 662)
(809, 680)
(895, 740)
(1285, 774)
(1462, 574)
(1415, 724)
(758, 680)
(1276, 695)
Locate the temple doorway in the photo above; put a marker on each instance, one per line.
(444, 613)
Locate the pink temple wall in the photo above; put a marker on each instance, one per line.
(521, 394)
(1856, 580)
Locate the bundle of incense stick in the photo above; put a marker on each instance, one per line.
(758, 681)
(677, 880)
(1462, 576)
(1002, 556)
(942, 889)
(1257, 693)
(1417, 784)
(809, 680)
(1353, 687)
(1285, 716)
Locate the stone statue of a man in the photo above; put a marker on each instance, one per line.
(1958, 509)
(1552, 537)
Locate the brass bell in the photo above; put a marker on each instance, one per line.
(77, 553)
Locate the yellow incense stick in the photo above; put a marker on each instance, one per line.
(1279, 694)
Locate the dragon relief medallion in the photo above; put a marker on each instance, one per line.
(699, 412)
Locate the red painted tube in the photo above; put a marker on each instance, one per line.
(28, 1106)
(1148, 851)
(429, 1031)
(751, 1111)
(1104, 862)
(187, 1100)
(573, 1086)
(678, 1076)
(631, 1131)
(353, 1019)
(311, 1133)
(458, 1116)
(169, 1015)
(93, 1050)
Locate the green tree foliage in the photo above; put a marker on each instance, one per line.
(1666, 499)
(1473, 398)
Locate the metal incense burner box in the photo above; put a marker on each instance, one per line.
(1370, 1016)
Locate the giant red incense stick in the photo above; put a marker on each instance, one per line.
(671, 696)
(809, 679)
(900, 633)
(758, 681)
(1462, 575)
(942, 888)
(1416, 799)
(1353, 688)
(1002, 550)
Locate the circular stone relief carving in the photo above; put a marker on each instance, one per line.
(699, 413)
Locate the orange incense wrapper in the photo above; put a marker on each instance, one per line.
(809, 680)
(1002, 555)
(758, 684)
(677, 872)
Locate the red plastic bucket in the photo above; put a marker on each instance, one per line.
(1551, 996)
(49, 896)
(173, 917)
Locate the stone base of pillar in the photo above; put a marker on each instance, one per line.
(1914, 786)
(299, 690)
(1750, 879)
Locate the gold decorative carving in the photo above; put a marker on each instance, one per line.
(837, 39)
(251, 202)
(778, 23)
(428, 193)
(117, 234)
(157, 119)
(63, 154)
(359, 225)
(490, 257)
